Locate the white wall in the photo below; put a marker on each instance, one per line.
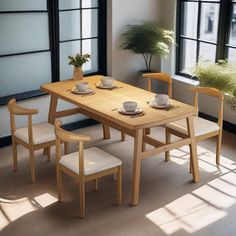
(123, 65)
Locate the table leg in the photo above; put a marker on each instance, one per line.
(138, 139)
(52, 109)
(106, 132)
(193, 150)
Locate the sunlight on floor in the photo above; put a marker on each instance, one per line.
(11, 210)
(203, 206)
(45, 200)
(206, 160)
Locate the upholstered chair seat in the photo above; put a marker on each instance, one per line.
(42, 133)
(95, 160)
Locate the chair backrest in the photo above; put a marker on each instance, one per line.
(164, 77)
(210, 92)
(14, 109)
(65, 136)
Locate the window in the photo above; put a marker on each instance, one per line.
(37, 36)
(201, 35)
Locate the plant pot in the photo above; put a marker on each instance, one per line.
(78, 73)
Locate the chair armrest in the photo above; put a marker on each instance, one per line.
(18, 110)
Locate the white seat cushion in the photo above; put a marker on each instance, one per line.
(42, 133)
(201, 126)
(95, 160)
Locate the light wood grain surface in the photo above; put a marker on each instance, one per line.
(103, 103)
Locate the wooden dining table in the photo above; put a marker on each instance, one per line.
(103, 104)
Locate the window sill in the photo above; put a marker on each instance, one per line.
(185, 80)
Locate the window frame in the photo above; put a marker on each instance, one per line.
(53, 28)
(222, 35)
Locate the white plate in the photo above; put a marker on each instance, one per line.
(100, 85)
(153, 104)
(123, 111)
(74, 90)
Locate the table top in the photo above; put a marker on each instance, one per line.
(104, 101)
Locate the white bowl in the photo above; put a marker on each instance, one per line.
(82, 86)
(161, 99)
(107, 81)
(130, 106)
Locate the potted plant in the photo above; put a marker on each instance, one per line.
(147, 39)
(220, 75)
(77, 61)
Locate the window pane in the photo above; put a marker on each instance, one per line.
(24, 73)
(69, 25)
(89, 3)
(232, 39)
(23, 5)
(209, 21)
(189, 21)
(23, 32)
(232, 55)
(90, 24)
(67, 49)
(69, 4)
(188, 48)
(207, 52)
(91, 46)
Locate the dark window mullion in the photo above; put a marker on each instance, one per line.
(81, 27)
(198, 29)
(79, 39)
(53, 16)
(229, 8)
(223, 31)
(178, 38)
(78, 9)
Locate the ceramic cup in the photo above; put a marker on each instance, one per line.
(82, 86)
(107, 81)
(161, 99)
(130, 106)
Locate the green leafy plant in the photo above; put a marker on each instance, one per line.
(220, 75)
(147, 39)
(78, 60)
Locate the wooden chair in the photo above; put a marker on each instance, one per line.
(85, 164)
(163, 77)
(203, 128)
(32, 137)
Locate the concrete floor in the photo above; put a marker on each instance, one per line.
(170, 203)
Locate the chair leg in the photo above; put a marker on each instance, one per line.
(119, 185)
(59, 184)
(96, 184)
(218, 148)
(82, 199)
(66, 148)
(45, 151)
(14, 152)
(190, 164)
(32, 164)
(168, 138)
(49, 153)
(143, 143)
(122, 136)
